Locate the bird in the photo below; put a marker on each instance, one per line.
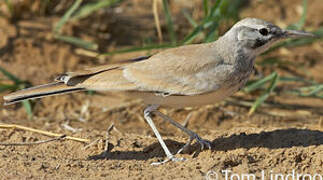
(188, 75)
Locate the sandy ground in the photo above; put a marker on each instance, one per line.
(286, 136)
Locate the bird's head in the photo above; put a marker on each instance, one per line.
(257, 35)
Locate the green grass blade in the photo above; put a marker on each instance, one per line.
(199, 29)
(264, 96)
(5, 87)
(90, 92)
(18, 84)
(213, 33)
(258, 102)
(89, 8)
(214, 9)
(209, 22)
(296, 79)
(190, 38)
(206, 7)
(169, 21)
(78, 42)
(260, 83)
(67, 16)
(309, 91)
(315, 89)
(319, 32)
(28, 108)
(12, 77)
(189, 18)
(300, 24)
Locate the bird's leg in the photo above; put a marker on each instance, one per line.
(170, 156)
(192, 134)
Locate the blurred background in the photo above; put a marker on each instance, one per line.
(40, 39)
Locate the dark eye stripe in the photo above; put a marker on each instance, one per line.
(260, 42)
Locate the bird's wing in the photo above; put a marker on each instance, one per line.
(98, 69)
(101, 78)
(110, 80)
(187, 70)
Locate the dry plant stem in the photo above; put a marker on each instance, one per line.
(187, 119)
(106, 148)
(33, 143)
(91, 144)
(111, 127)
(157, 23)
(14, 126)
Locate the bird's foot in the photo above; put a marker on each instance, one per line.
(201, 141)
(172, 158)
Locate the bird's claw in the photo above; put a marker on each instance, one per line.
(201, 141)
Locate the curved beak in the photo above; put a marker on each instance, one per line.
(296, 34)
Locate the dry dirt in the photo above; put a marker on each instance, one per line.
(283, 136)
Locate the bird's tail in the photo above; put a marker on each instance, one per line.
(40, 91)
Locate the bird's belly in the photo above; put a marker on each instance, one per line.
(227, 88)
(179, 101)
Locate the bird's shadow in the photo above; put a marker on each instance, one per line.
(283, 138)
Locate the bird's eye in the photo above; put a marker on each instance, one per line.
(263, 31)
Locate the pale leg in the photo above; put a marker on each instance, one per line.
(147, 115)
(192, 134)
